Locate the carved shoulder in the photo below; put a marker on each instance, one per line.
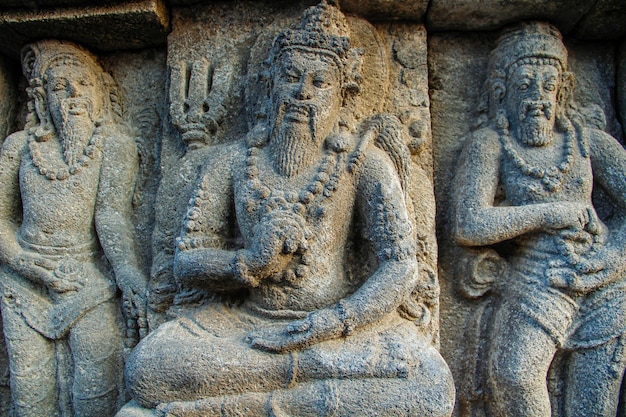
(382, 205)
(224, 158)
(14, 144)
(483, 143)
(13, 148)
(210, 211)
(118, 147)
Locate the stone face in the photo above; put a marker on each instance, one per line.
(300, 214)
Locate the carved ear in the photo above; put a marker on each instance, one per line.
(498, 90)
(354, 73)
(45, 128)
(566, 88)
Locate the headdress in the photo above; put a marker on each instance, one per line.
(529, 42)
(39, 56)
(322, 29)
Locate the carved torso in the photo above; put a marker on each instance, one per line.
(520, 189)
(573, 185)
(58, 213)
(316, 277)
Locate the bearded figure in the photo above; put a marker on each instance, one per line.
(66, 241)
(524, 202)
(299, 327)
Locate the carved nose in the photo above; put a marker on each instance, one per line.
(72, 90)
(303, 92)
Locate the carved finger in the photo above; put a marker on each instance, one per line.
(299, 326)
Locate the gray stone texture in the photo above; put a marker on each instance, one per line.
(458, 69)
(386, 10)
(192, 85)
(449, 15)
(606, 20)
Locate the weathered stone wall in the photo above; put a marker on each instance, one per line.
(426, 64)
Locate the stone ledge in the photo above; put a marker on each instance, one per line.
(127, 25)
(386, 9)
(606, 20)
(452, 15)
(38, 4)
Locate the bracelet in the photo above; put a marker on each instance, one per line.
(347, 319)
(241, 271)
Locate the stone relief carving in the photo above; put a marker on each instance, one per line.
(304, 232)
(7, 119)
(69, 245)
(549, 334)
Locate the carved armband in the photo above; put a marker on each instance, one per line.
(347, 317)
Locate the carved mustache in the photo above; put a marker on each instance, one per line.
(535, 108)
(307, 109)
(76, 106)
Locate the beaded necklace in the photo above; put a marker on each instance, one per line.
(552, 177)
(323, 183)
(62, 172)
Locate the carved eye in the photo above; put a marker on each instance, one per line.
(290, 77)
(550, 86)
(58, 86)
(86, 82)
(320, 83)
(523, 86)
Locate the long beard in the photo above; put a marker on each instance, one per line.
(75, 131)
(294, 145)
(536, 130)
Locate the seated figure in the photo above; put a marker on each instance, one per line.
(274, 225)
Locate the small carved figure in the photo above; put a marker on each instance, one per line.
(72, 169)
(275, 225)
(524, 196)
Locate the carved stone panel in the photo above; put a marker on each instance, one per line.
(287, 134)
(531, 288)
(247, 207)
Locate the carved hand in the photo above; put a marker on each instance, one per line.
(591, 272)
(133, 285)
(275, 241)
(564, 215)
(318, 326)
(39, 269)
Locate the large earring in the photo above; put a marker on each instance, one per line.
(45, 130)
(502, 120)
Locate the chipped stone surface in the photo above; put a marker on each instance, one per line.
(458, 68)
(310, 264)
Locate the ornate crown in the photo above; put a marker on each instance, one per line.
(322, 29)
(529, 42)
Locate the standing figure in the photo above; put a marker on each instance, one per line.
(524, 188)
(304, 229)
(66, 184)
